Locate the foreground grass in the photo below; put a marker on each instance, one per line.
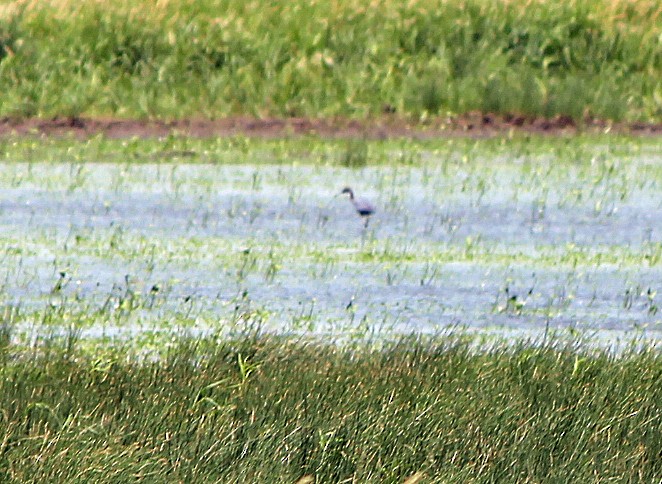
(260, 409)
(351, 58)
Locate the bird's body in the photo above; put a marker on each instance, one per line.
(363, 207)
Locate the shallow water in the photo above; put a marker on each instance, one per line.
(487, 246)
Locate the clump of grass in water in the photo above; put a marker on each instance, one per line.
(355, 154)
(269, 409)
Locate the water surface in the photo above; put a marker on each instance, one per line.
(497, 246)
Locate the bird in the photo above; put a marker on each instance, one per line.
(363, 207)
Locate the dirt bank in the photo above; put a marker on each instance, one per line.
(470, 125)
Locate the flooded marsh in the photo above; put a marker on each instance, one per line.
(513, 239)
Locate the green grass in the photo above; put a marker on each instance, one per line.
(262, 409)
(584, 149)
(350, 58)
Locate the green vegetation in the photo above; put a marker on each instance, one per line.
(593, 151)
(350, 58)
(261, 409)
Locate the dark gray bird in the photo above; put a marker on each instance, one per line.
(363, 207)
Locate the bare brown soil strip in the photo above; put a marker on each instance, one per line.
(470, 125)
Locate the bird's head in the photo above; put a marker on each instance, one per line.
(347, 190)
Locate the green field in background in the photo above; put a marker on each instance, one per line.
(349, 58)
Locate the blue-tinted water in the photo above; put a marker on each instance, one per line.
(203, 243)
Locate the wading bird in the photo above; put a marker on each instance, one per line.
(363, 207)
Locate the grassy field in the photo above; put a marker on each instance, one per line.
(349, 58)
(259, 409)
